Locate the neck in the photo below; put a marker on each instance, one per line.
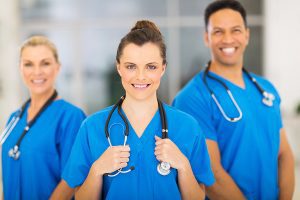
(38, 100)
(140, 108)
(233, 73)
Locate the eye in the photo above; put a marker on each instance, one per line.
(237, 30)
(151, 67)
(217, 32)
(46, 63)
(130, 67)
(27, 64)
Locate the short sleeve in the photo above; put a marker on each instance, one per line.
(200, 162)
(80, 161)
(70, 126)
(192, 101)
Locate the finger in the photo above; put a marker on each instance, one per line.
(123, 160)
(121, 148)
(124, 154)
(157, 138)
(123, 165)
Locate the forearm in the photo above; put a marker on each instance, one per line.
(91, 188)
(224, 188)
(189, 187)
(62, 191)
(286, 173)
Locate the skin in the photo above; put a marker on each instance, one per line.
(227, 37)
(140, 69)
(39, 70)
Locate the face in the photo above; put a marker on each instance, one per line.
(39, 69)
(141, 68)
(227, 37)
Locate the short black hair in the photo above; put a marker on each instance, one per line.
(223, 4)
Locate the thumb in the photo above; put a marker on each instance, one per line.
(157, 138)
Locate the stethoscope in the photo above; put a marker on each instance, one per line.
(267, 98)
(14, 152)
(163, 168)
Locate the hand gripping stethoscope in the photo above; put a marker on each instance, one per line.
(163, 168)
(267, 98)
(15, 152)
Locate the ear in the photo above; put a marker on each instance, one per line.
(164, 67)
(118, 69)
(247, 36)
(58, 67)
(206, 39)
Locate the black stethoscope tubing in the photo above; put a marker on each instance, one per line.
(163, 167)
(15, 152)
(268, 98)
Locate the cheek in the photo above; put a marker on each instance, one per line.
(156, 77)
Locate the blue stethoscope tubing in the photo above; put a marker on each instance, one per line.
(163, 167)
(267, 99)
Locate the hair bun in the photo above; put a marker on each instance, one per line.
(145, 24)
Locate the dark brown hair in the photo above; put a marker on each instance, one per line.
(224, 4)
(143, 31)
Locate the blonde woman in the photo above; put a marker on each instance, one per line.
(39, 136)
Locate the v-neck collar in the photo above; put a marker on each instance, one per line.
(150, 130)
(229, 83)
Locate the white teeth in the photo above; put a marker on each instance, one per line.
(38, 81)
(228, 50)
(140, 86)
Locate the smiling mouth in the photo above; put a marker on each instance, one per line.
(229, 50)
(140, 86)
(38, 81)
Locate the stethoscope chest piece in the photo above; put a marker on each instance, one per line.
(164, 168)
(268, 99)
(14, 152)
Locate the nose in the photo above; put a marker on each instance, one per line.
(37, 70)
(141, 74)
(227, 38)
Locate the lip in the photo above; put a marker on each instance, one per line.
(38, 81)
(228, 50)
(140, 86)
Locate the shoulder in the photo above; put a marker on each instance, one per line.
(266, 84)
(176, 114)
(181, 120)
(99, 116)
(66, 106)
(194, 90)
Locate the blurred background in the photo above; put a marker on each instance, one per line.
(87, 33)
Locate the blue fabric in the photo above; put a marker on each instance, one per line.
(249, 148)
(143, 182)
(44, 152)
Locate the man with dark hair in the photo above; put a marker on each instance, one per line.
(239, 114)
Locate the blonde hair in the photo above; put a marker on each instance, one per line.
(39, 40)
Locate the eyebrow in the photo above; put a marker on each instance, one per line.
(44, 59)
(152, 63)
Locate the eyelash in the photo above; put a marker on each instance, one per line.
(130, 67)
(151, 67)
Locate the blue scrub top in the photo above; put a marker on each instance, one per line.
(249, 148)
(144, 182)
(44, 152)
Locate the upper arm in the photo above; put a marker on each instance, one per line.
(215, 156)
(284, 148)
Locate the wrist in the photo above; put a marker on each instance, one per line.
(185, 166)
(95, 171)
